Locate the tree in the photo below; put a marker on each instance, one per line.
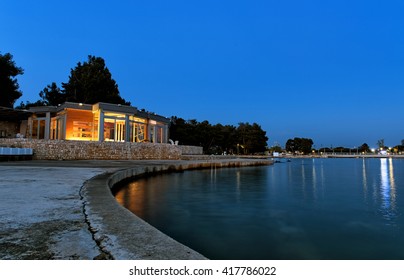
(301, 145)
(380, 144)
(275, 149)
(290, 146)
(399, 148)
(225, 137)
(364, 148)
(52, 95)
(9, 88)
(29, 104)
(216, 139)
(252, 138)
(91, 82)
(306, 145)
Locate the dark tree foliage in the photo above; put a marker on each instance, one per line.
(399, 148)
(9, 88)
(301, 145)
(52, 95)
(342, 150)
(217, 139)
(364, 148)
(290, 146)
(380, 143)
(29, 104)
(91, 82)
(252, 138)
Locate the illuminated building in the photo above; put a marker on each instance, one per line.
(98, 122)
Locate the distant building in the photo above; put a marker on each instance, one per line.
(98, 122)
(383, 153)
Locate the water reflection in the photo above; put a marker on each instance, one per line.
(392, 181)
(387, 189)
(303, 177)
(311, 178)
(314, 180)
(238, 184)
(309, 209)
(364, 179)
(134, 197)
(213, 174)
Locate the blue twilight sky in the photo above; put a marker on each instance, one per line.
(332, 71)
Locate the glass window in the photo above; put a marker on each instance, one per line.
(54, 129)
(159, 134)
(82, 130)
(152, 133)
(41, 131)
(79, 125)
(114, 130)
(38, 129)
(120, 131)
(95, 126)
(34, 134)
(109, 130)
(138, 132)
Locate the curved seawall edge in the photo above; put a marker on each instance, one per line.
(121, 234)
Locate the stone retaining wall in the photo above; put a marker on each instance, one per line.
(8, 129)
(85, 150)
(190, 150)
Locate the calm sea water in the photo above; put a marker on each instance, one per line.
(304, 209)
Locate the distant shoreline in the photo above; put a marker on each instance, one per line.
(345, 156)
(321, 156)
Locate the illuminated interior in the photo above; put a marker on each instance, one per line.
(79, 125)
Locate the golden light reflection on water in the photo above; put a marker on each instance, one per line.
(133, 197)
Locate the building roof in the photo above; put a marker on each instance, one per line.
(115, 108)
(43, 109)
(153, 116)
(73, 105)
(100, 105)
(10, 114)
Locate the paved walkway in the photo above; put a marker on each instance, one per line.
(41, 208)
(41, 213)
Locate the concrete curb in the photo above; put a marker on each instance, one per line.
(122, 235)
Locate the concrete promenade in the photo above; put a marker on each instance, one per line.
(65, 210)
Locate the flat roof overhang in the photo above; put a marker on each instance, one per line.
(10, 114)
(115, 108)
